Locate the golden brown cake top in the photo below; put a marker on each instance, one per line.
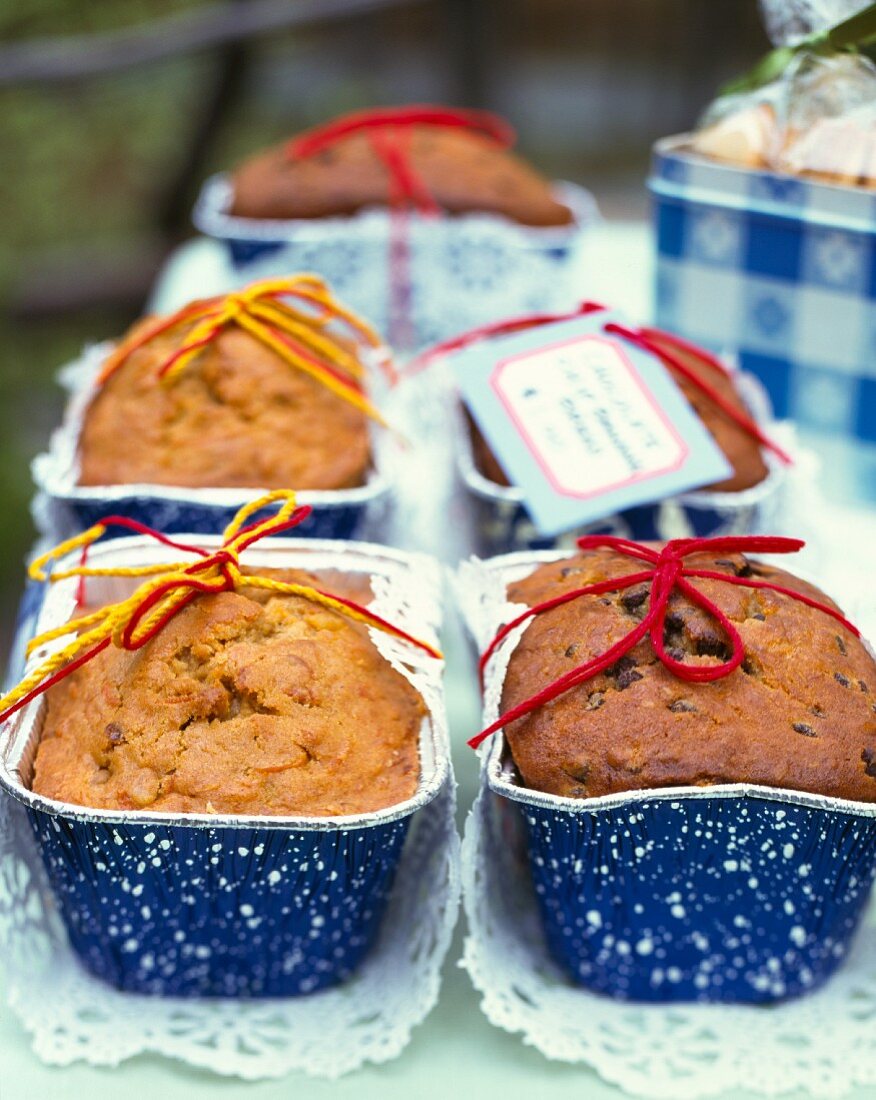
(240, 409)
(246, 702)
(800, 712)
(460, 170)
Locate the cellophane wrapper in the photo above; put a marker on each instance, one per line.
(817, 120)
(518, 850)
(73, 1016)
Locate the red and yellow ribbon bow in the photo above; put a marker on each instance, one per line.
(292, 316)
(131, 623)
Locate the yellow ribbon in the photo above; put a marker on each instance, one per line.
(132, 622)
(302, 337)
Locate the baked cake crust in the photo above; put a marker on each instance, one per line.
(239, 416)
(464, 172)
(800, 713)
(246, 702)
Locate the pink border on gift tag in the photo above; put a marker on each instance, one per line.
(637, 380)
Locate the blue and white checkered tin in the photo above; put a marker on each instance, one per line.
(778, 269)
(462, 271)
(214, 905)
(63, 507)
(734, 893)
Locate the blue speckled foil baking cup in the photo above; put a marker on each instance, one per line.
(214, 905)
(730, 894)
(464, 270)
(501, 524)
(733, 893)
(66, 508)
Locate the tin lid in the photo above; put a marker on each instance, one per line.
(678, 175)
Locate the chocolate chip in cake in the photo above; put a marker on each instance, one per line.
(115, 734)
(578, 772)
(863, 687)
(840, 679)
(626, 677)
(622, 664)
(633, 599)
(840, 644)
(682, 706)
(869, 758)
(594, 700)
(817, 711)
(751, 666)
(807, 731)
(572, 649)
(743, 570)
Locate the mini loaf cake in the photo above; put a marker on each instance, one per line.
(238, 416)
(800, 712)
(462, 170)
(246, 702)
(740, 448)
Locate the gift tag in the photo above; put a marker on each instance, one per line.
(585, 423)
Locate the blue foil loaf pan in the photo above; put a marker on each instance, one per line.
(214, 905)
(734, 893)
(461, 271)
(65, 507)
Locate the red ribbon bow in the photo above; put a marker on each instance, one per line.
(667, 574)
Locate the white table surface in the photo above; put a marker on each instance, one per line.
(455, 1051)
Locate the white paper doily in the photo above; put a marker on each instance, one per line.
(823, 1044)
(71, 1016)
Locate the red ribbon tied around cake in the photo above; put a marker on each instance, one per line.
(668, 572)
(390, 132)
(651, 340)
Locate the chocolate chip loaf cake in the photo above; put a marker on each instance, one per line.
(238, 416)
(463, 171)
(800, 712)
(739, 447)
(246, 702)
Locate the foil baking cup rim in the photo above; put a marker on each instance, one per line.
(55, 470)
(497, 770)
(696, 499)
(435, 771)
(499, 778)
(210, 216)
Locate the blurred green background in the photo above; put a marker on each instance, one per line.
(101, 167)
